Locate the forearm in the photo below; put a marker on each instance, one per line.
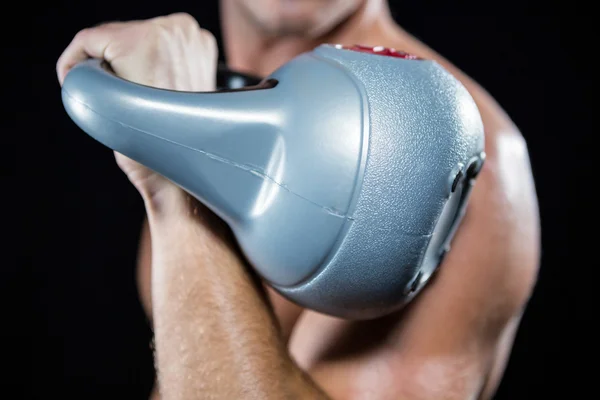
(215, 335)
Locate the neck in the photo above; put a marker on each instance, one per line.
(250, 49)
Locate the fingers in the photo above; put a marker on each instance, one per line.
(90, 42)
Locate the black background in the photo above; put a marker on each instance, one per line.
(71, 323)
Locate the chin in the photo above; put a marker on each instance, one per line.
(299, 17)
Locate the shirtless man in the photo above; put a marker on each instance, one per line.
(219, 333)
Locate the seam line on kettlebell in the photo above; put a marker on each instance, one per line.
(330, 210)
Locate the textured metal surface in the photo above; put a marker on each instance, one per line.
(423, 123)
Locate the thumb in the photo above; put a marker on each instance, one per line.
(87, 43)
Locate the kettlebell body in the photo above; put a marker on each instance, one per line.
(343, 175)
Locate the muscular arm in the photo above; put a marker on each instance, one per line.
(217, 337)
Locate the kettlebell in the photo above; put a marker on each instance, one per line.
(343, 175)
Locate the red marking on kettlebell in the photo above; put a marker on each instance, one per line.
(380, 50)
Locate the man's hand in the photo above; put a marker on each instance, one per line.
(170, 52)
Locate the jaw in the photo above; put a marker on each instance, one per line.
(298, 18)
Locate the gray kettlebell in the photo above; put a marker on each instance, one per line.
(343, 175)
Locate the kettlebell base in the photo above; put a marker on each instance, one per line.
(383, 289)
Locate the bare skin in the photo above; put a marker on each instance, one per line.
(219, 333)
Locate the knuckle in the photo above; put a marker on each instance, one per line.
(208, 39)
(82, 34)
(170, 26)
(184, 19)
(91, 31)
(158, 31)
(186, 26)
